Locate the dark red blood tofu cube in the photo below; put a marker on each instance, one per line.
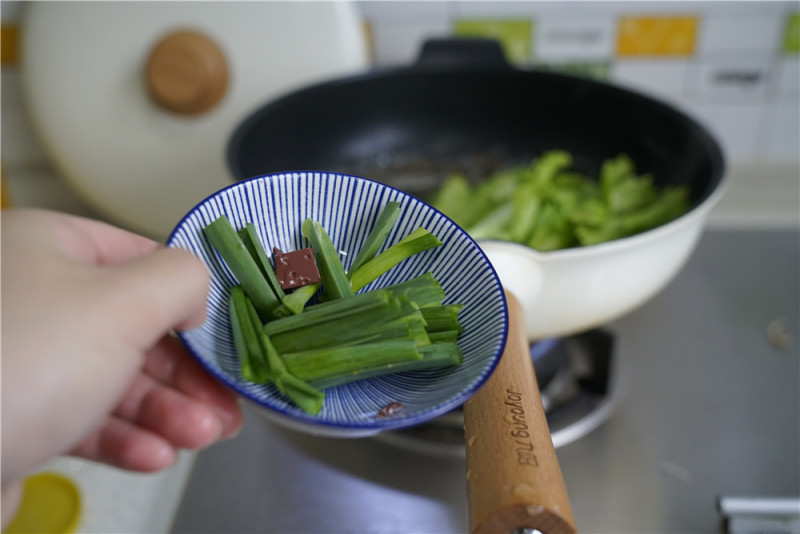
(296, 268)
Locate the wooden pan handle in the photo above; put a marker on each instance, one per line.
(513, 477)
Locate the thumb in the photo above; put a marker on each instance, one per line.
(156, 293)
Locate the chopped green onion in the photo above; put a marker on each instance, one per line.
(331, 310)
(224, 238)
(436, 356)
(417, 241)
(307, 397)
(377, 235)
(402, 327)
(330, 267)
(423, 290)
(324, 363)
(294, 303)
(260, 361)
(440, 318)
(245, 338)
(250, 238)
(367, 326)
(275, 365)
(444, 336)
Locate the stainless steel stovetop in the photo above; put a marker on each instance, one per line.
(706, 404)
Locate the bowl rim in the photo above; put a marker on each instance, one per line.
(296, 418)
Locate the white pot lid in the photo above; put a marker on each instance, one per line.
(134, 161)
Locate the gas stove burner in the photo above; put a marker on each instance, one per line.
(578, 377)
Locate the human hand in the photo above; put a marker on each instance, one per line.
(89, 366)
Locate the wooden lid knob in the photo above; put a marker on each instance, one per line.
(186, 73)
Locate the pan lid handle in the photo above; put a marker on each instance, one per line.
(186, 73)
(462, 51)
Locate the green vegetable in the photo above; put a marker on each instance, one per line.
(331, 270)
(456, 200)
(245, 339)
(330, 311)
(444, 336)
(222, 235)
(294, 302)
(435, 356)
(275, 368)
(423, 290)
(260, 361)
(442, 318)
(417, 241)
(552, 231)
(377, 235)
(369, 317)
(249, 237)
(608, 230)
(498, 187)
(545, 169)
(526, 205)
(307, 397)
(548, 206)
(335, 361)
(670, 205)
(302, 348)
(495, 225)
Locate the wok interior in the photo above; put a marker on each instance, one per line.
(412, 127)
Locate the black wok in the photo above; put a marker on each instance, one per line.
(462, 107)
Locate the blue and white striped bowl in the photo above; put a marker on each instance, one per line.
(347, 207)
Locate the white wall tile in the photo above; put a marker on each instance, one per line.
(738, 34)
(738, 128)
(574, 39)
(713, 8)
(732, 77)
(400, 43)
(667, 77)
(787, 78)
(782, 136)
(404, 11)
(496, 9)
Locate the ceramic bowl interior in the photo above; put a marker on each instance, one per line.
(347, 207)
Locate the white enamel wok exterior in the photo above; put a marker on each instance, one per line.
(568, 291)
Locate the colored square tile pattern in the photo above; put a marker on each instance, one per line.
(791, 37)
(514, 35)
(656, 36)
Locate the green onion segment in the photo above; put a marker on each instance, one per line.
(304, 345)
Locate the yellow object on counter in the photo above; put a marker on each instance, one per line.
(50, 504)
